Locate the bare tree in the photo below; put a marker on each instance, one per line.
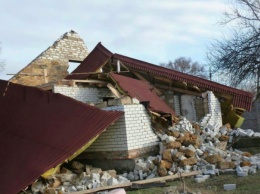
(186, 65)
(239, 53)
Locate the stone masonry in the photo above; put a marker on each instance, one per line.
(52, 64)
(130, 137)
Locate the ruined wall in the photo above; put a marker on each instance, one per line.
(188, 107)
(83, 94)
(52, 64)
(130, 137)
(214, 117)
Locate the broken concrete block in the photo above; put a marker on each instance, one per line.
(224, 138)
(250, 132)
(161, 147)
(72, 189)
(165, 164)
(199, 152)
(141, 174)
(95, 176)
(105, 176)
(252, 170)
(223, 130)
(122, 180)
(245, 163)
(242, 174)
(112, 173)
(96, 170)
(131, 176)
(229, 187)
(188, 161)
(140, 165)
(176, 134)
(177, 155)
(209, 170)
(213, 159)
(88, 168)
(112, 181)
(68, 177)
(247, 154)
(162, 170)
(167, 155)
(173, 145)
(170, 139)
(77, 165)
(152, 175)
(189, 153)
(222, 145)
(38, 187)
(225, 165)
(202, 178)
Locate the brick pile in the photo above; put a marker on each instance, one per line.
(184, 147)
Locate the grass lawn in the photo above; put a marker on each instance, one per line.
(249, 184)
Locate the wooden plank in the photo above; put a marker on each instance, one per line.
(178, 90)
(114, 90)
(164, 178)
(159, 179)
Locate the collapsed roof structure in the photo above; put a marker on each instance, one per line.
(101, 60)
(40, 129)
(102, 77)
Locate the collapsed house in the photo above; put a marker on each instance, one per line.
(151, 98)
(34, 135)
(105, 80)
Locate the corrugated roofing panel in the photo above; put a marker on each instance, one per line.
(241, 99)
(143, 92)
(91, 63)
(39, 130)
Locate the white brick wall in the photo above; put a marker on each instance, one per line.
(214, 117)
(83, 94)
(132, 131)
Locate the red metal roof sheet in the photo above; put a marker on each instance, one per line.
(100, 54)
(91, 63)
(241, 98)
(143, 92)
(41, 129)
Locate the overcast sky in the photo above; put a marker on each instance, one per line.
(149, 30)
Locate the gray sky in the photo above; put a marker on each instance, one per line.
(149, 30)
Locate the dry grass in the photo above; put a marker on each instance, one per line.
(214, 185)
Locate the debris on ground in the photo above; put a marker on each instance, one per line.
(184, 147)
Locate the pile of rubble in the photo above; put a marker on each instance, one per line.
(184, 147)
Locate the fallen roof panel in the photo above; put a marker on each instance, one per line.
(98, 56)
(41, 129)
(241, 98)
(143, 92)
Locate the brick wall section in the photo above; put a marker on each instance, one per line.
(214, 116)
(54, 61)
(83, 94)
(132, 131)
